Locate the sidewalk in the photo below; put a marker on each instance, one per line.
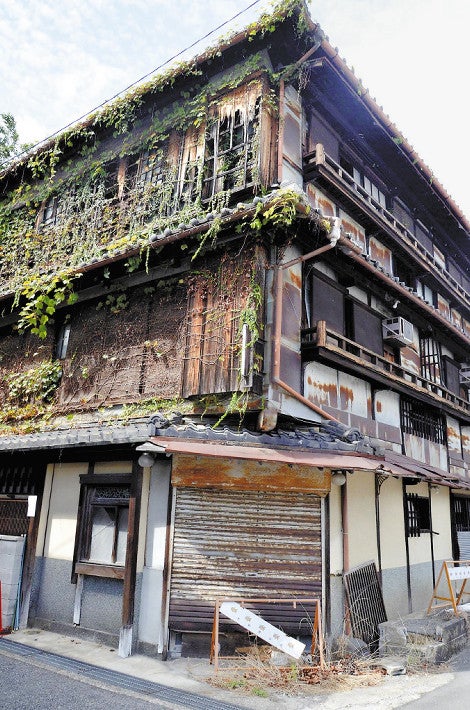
(189, 675)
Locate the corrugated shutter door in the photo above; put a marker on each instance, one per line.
(243, 544)
(463, 538)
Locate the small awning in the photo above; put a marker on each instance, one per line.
(318, 459)
(391, 463)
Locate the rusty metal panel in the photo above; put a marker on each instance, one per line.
(323, 203)
(321, 384)
(443, 306)
(410, 359)
(381, 254)
(243, 544)
(453, 437)
(247, 474)
(353, 231)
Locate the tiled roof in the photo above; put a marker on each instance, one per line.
(92, 435)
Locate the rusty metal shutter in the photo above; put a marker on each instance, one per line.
(244, 544)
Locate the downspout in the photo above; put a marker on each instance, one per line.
(407, 548)
(431, 537)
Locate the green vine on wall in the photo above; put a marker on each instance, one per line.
(35, 385)
(44, 294)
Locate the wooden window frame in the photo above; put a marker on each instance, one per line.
(88, 485)
(229, 138)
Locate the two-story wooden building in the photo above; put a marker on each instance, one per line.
(234, 340)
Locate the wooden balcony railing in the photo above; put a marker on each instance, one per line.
(321, 162)
(375, 366)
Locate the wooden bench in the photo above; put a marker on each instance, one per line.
(454, 571)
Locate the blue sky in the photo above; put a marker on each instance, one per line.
(62, 59)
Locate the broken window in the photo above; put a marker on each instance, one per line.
(149, 169)
(230, 154)
(418, 515)
(419, 419)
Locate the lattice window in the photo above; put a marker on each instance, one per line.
(229, 157)
(421, 420)
(418, 515)
(462, 514)
(431, 359)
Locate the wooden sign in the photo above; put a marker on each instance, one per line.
(261, 628)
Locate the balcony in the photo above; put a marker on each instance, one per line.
(332, 348)
(342, 184)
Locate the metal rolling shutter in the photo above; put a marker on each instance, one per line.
(243, 544)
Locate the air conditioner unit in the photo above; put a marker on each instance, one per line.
(397, 331)
(464, 375)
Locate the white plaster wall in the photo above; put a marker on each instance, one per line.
(392, 524)
(151, 616)
(336, 532)
(61, 515)
(361, 518)
(387, 407)
(58, 522)
(441, 523)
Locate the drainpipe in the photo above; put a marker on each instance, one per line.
(407, 548)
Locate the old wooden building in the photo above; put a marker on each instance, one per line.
(234, 339)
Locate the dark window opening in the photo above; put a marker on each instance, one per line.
(418, 515)
(419, 419)
(149, 169)
(230, 155)
(431, 359)
(62, 341)
(462, 514)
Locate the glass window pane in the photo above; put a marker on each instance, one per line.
(102, 534)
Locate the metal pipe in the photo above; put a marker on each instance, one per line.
(407, 548)
(431, 537)
(377, 524)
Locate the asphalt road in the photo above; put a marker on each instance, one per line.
(33, 680)
(452, 695)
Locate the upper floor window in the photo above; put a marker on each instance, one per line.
(149, 169)
(431, 359)
(230, 154)
(368, 185)
(418, 419)
(48, 213)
